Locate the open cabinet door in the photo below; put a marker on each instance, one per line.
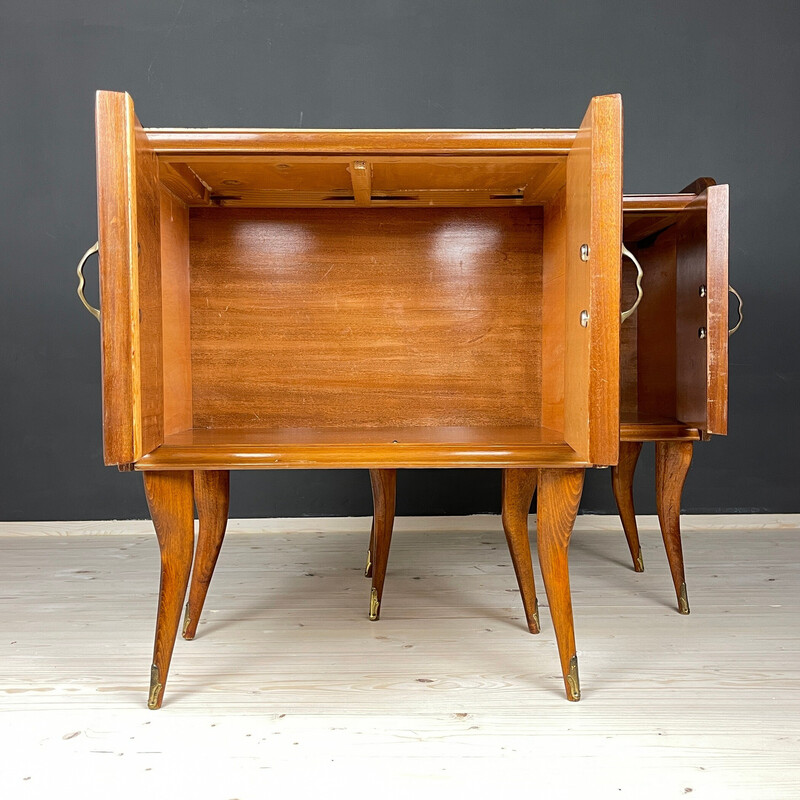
(594, 221)
(130, 282)
(702, 312)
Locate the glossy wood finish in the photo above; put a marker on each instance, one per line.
(558, 497)
(404, 180)
(361, 448)
(644, 428)
(212, 498)
(380, 299)
(169, 497)
(519, 486)
(554, 319)
(348, 317)
(128, 217)
(183, 182)
(384, 492)
(672, 464)
(594, 218)
(176, 313)
(622, 483)
(702, 254)
(293, 141)
(673, 351)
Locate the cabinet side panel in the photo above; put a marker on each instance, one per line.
(176, 313)
(553, 314)
(147, 319)
(717, 287)
(115, 224)
(605, 263)
(577, 289)
(594, 218)
(130, 282)
(702, 260)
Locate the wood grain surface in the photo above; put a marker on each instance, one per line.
(128, 221)
(518, 488)
(702, 257)
(673, 460)
(622, 484)
(558, 496)
(361, 448)
(212, 499)
(169, 497)
(384, 496)
(298, 142)
(594, 218)
(366, 318)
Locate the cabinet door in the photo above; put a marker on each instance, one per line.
(594, 221)
(702, 312)
(130, 282)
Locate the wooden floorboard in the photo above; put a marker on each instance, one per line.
(289, 686)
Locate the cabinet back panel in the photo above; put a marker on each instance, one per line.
(373, 317)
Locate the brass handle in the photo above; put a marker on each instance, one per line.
(639, 291)
(741, 317)
(95, 312)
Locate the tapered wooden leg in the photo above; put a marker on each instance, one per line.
(519, 486)
(211, 497)
(169, 496)
(672, 464)
(368, 565)
(559, 495)
(622, 483)
(384, 490)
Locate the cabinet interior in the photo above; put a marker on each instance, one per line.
(384, 301)
(664, 375)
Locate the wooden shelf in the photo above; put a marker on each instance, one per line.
(360, 448)
(646, 428)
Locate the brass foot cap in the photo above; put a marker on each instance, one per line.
(374, 605)
(639, 562)
(683, 600)
(187, 621)
(154, 698)
(573, 681)
(534, 624)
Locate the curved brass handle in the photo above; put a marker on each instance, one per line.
(639, 276)
(741, 317)
(95, 312)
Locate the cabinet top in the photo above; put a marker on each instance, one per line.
(301, 141)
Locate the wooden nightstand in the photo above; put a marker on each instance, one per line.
(293, 299)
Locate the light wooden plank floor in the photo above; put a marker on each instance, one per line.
(288, 687)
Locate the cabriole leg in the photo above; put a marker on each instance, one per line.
(622, 483)
(169, 496)
(211, 497)
(559, 495)
(384, 490)
(519, 486)
(672, 464)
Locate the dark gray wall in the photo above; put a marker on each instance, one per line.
(709, 88)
